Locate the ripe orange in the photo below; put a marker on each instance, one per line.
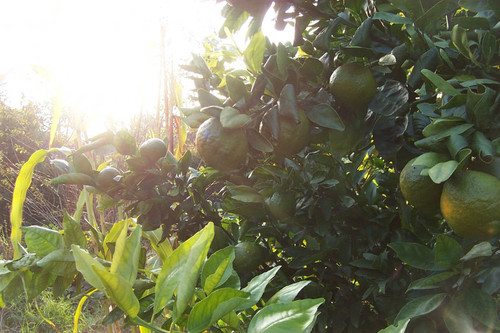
(470, 203)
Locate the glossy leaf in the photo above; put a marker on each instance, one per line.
(236, 88)
(245, 193)
(73, 233)
(481, 306)
(297, 316)
(326, 116)
(399, 328)
(430, 282)
(84, 263)
(287, 103)
(441, 172)
(59, 262)
(447, 252)
(23, 182)
(430, 159)
(414, 254)
(483, 249)
(254, 53)
(232, 119)
(256, 287)
(207, 99)
(390, 98)
(215, 306)
(217, 269)
(181, 270)
(288, 293)
(164, 248)
(42, 240)
(126, 255)
(440, 83)
(259, 142)
(420, 306)
(119, 291)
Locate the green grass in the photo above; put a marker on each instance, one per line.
(21, 317)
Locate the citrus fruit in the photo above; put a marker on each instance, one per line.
(470, 201)
(247, 257)
(420, 191)
(105, 178)
(293, 136)
(353, 86)
(124, 143)
(343, 142)
(282, 204)
(221, 148)
(153, 149)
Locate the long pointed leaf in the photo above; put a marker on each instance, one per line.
(181, 270)
(126, 256)
(23, 182)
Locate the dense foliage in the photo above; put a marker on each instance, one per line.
(325, 222)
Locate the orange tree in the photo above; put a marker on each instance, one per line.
(296, 188)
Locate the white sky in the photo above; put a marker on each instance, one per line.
(101, 55)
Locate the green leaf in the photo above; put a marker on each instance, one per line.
(232, 119)
(390, 98)
(73, 233)
(207, 99)
(181, 270)
(164, 248)
(297, 316)
(236, 88)
(282, 59)
(392, 18)
(456, 318)
(461, 42)
(420, 306)
(479, 102)
(258, 141)
(447, 252)
(441, 172)
(287, 103)
(440, 83)
(84, 263)
(254, 53)
(73, 179)
(362, 36)
(256, 287)
(483, 147)
(430, 282)
(483, 249)
(113, 235)
(430, 159)
(326, 116)
(119, 291)
(400, 327)
(212, 308)
(481, 306)
(42, 240)
(433, 139)
(59, 262)
(23, 182)
(217, 269)
(414, 254)
(126, 256)
(244, 193)
(288, 293)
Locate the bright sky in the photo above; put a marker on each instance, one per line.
(102, 56)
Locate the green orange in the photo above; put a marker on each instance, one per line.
(420, 191)
(470, 203)
(153, 149)
(221, 148)
(293, 135)
(106, 178)
(248, 256)
(353, 86)
(282, 204)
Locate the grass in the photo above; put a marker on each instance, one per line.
(21, 317)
